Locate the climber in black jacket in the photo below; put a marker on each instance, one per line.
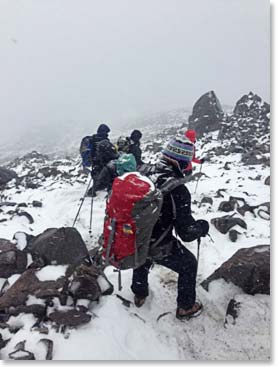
(165, 248)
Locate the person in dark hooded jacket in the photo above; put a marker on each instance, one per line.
(102, 152)
(134, 147)
(165, 248)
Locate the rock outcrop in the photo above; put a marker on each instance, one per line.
(247, 130)
(207, 114)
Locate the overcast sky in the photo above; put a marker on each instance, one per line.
(107, 60)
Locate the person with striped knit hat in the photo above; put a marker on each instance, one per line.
(165, 248)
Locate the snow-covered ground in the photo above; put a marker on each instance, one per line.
(117, 332)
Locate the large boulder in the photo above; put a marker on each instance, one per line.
(6, 175)
(12, 260)
(248, 268)
(58, 246)
(207, 114)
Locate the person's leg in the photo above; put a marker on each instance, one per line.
(140, 280)
(183, 262)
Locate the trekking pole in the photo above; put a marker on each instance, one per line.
(82, 201)
(198, 179)
(91, 209)
(198, 253)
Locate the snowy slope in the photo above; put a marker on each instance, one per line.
(117, 332)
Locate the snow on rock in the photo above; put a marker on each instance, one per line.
(21, 240)
(51, 272)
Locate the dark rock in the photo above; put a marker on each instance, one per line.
(49, 345)
(219, 193)
(248, 268)
(37, 204)
(206, 200)
(71, 318)
(225, 223)
(31, 185)
(197, 176)
(49, 171)
(267, 181)
(226, 166)
(22, 205)
(7, 203)
(84, 284)
(257, 178)
(233, 235)
(59, 246)
(3, 342)
(36, 309)
(27, 215)
(226, 206)
(250, 158)
(232, 312)
(29, 284)
(246, 208)
(12, 260)
(20, 354)
(6, 175)
(206, 115)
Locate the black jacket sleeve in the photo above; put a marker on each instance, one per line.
(185, 225)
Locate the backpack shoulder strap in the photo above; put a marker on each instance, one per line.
(166, 188)
(170, 184)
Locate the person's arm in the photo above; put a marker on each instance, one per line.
(196, 160)
(185, 225)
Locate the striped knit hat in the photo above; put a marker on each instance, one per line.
(179, 149)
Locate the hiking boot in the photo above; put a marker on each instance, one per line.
(139, 301)
(194, 311)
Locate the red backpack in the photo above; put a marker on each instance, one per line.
(132, 211)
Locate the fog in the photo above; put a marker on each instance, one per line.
(108, 61)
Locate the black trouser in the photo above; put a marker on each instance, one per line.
(183, 262)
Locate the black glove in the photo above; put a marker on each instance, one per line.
(203, 227)
(202, 160)
(198, 229)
